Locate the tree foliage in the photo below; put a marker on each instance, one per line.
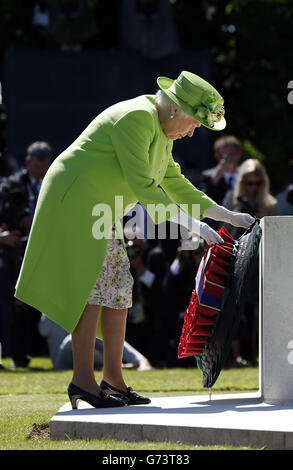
(252, 46)
(251, 43)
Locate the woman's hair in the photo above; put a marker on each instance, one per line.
(40, 150)
(165, 103)
(252, 166)
(226, 140)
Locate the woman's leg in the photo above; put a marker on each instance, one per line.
(113, 331)
(83, 345)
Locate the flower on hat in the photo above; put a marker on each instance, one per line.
(211, 116)
(218, 113)
(211, 110)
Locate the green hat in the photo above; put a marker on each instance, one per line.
(197, 98)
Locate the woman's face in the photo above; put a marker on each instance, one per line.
(252, 184)
(179, 127)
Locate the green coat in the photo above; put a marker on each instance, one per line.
(123, 152)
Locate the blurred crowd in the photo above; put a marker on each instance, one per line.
(145, 26)
(163, 269)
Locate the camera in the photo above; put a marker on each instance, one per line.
(227, 157)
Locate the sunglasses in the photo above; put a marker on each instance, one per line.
(254, 183)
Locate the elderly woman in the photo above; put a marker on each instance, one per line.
(70, 269)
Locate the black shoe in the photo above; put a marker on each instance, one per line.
(97, 401)
(130, 397)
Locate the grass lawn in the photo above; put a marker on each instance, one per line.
(30, 397)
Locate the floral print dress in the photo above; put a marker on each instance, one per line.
(114, 285)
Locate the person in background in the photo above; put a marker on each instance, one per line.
(18, 198)
(178, 286)
(146, 317)
(60, 349)
(251, 193)
(9, 240)
(216, 181)
(8, 164)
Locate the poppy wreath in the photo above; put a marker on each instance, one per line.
(216, 305)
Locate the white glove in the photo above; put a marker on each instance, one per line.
(237, 219)
(197, 227)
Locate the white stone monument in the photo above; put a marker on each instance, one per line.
(262, 418)
(276, 309)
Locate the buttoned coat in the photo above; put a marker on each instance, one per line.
(123, 152)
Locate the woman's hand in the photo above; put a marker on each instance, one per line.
(237, 219)
(208, 234)
(196, 227)
(241, 220)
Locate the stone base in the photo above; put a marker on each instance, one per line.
(233, 419)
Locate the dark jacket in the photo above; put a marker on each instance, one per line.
(14, 207)
(14, 199)
(215, 191)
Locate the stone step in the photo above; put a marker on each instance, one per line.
(242, 419)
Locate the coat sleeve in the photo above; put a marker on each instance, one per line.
(182, 191)
(131, 137)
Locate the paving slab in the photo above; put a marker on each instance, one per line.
(242, 419)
